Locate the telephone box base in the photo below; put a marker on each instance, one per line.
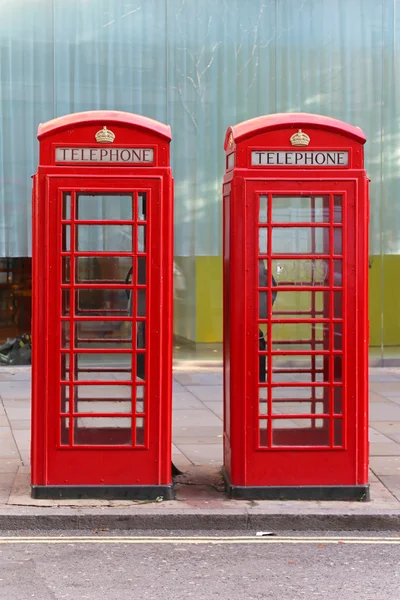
(102, 492)
(306, 492)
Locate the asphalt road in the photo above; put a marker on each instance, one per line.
(203, 566)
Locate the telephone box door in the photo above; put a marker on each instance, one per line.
(104, 359)
(303, 320)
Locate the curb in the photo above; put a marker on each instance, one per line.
(196, 520)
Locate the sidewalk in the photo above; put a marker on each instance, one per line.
(197, 450)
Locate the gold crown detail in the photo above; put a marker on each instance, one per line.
(300, 139)
(105, 136)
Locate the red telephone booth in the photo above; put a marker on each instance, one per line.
(102, 308)
(295, 200)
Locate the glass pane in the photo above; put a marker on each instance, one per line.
(301, 305)
(65, 301)
(309, 272)
(103, 367)
(140, 398)
(64, 399)
(337, 305)
(141, 240)
(337, 210)
(300, 209)
(295, 394)
(93, 431)
(66, 238)
(104, 207)
(140, 366)
(65, 334)
(300, 336)
(100, 393)
(104, 302)
(141, 303)
(300, 240)
(263, 400)
(300, 432)
(337, 367)
(263, 212)
(337, 400)
(103, 334)
(106, 269)
(139, 431)
(141, 270)
(337, 275)
(66, 265)
(337, 336)
(66, 208)
(142, 206)
(262, 240)
(337, 237)
(104, 238)
(300, 368)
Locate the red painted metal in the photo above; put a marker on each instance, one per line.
(304, 420)
(102, 339)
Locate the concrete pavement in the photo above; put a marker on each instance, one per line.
(197, 450)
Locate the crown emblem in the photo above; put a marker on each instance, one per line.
(105, 136)
(230, 142)
(300, 139)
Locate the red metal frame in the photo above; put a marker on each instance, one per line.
(264, 446)
(68, 449)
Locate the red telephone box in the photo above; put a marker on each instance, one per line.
(296, 211)
(102, 308)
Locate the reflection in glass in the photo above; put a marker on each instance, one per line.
(263, 400)
(337, 400)
(111, 207)
(66, 265)
(337, 243)
(263, 211)
(299, 304)
(141, 303)
(96, 269)
(142, 206)
(103, 334)
(301, 271)
(103, 367)
(141, 238)
(300, 209)
(66, 208)
(110, 302)
(140, 398)
(262, 240)
(66, 238)
(300, 240)
(337, 305)
(104, 238)
(337, 209)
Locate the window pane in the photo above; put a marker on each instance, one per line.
(104, 207)
(104, 238)
(263, 210)
(113, 269)
(300, 209)
(300, 240)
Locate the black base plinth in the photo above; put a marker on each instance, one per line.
(303, 492)
(102, 492)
